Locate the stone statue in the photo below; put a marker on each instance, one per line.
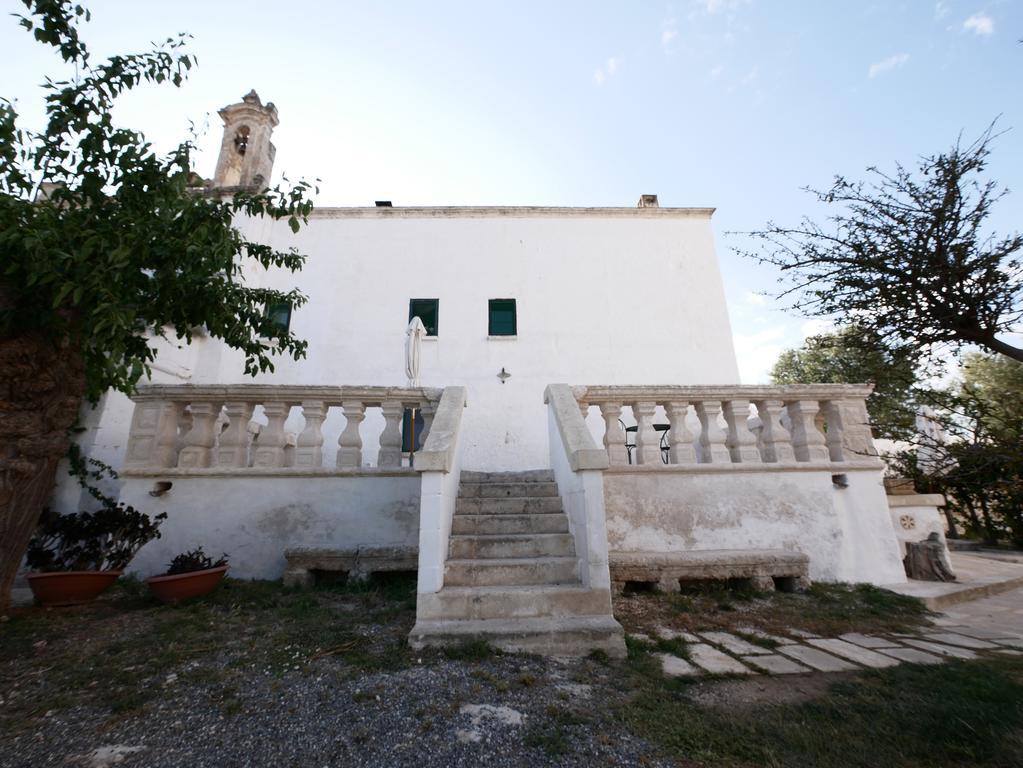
(926, 560)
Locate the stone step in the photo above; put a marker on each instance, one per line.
(529, 476)
(494, 524)
(520, 505)
(557, 636)
(504, 602)
(498, 490)
(515, 545)
(511, 571)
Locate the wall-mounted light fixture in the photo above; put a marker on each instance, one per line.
(503, 375)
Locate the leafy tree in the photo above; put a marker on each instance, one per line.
(854, 355)
(907, 256)
(976, 459)
(105, 244)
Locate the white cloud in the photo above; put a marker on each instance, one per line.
(940, 10)
(711, 7)
(751, 76)
(815, 327)
(610, 68)
(979, 24)
(757, 353)
(755, 299)
(888, 64)
(669, 31)
(716, 72)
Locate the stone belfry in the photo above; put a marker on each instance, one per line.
(246, 154)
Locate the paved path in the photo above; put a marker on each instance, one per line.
(988, 627)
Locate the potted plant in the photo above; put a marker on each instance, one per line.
(190, 574)
(75, 557)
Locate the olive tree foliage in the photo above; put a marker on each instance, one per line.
(107, 243)
(104, 245)
(907, 256)
(854, 355)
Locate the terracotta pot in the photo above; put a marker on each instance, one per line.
(181, 586)
(70, 587)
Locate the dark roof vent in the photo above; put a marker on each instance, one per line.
(383, 203)
(648, 201)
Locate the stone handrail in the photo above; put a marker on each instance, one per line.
(583, 452)
(439, 451)
(800, 423)
(193, 427)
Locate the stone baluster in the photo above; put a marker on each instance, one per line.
(269, 450)
(648, 442)
(584, 410)
(233, 449)
(349, 442)
(741, 442)
(680, 439)
(807, 442)
(614, 435)
(775, 442)
(390, 438)
(849, 436)
(713, 449)
(198, 449)
(184, 427)
(309, 444)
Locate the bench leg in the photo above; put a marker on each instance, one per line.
(669, 584)
(762, 583)
(298, 577)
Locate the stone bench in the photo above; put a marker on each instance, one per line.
(358, 564)
(764, 569)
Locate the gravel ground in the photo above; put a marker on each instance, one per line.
(413, 717)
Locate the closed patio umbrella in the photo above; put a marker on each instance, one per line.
(413, 351)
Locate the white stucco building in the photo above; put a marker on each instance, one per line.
(654, 453)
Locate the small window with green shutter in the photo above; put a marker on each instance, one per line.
(426, 310)
(502, 318)
(279, 313)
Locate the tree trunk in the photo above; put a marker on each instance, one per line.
(41, 389)
(991, 536)
(1008, 350)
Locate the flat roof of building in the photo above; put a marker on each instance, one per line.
(509, 211)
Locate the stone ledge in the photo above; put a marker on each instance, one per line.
(835, 468)
(358, 563)
(916, 500)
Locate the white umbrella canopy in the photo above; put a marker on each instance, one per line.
(413, 350)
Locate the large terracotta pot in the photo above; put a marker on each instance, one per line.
(182, 586)
(70, 587)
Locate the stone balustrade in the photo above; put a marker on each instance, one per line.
(194, 427)
(728, 425)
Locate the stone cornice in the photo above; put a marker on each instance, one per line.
(509, 212)
(289, 393)
(631, 393)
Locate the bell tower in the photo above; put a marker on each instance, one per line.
(246, 154)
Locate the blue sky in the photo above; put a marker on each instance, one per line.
(734, 104)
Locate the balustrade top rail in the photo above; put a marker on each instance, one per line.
(282, 393)
(595, 394)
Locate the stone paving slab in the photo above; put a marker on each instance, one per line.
(816, 658)
(673, 666)
(766, 636)
(775, 665)
(912, 655)
(714, 661)
(860, 655)
(801, 633)
(868, 641)
(943, 650)
(951, 638)
(734, 644)
(982, 633)
(1009, 652)
(667, 633)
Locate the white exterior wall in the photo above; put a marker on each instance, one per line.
(846, 532)
(255, 519)
(609, 296)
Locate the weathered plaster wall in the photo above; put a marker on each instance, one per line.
(254, 519)
(847, 533)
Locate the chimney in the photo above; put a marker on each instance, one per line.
(648, 201)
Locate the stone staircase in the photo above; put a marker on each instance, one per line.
(512, 574)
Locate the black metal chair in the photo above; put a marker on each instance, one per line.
(629, 447)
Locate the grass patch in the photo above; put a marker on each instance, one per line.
(955, 714)
(826, 609)
(476, 649)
